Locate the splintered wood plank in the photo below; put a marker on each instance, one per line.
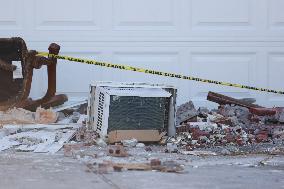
(133, 166)
(56, 146)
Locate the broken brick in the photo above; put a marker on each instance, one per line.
(240, 141)
(117, 151)
(155, 162)
(197, 133)
(69, 149)
(261, 137)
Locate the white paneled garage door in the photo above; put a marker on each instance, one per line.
(240, 41)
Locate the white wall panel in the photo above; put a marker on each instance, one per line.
(11, 15)
(276, 14)
(221, 14)
(153, 59)
(77, 74)
(275, 68)
(230, 65)
(67, 15)
(238, 41)
(144, 15)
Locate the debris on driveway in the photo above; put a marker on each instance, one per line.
(198, 153)
(235, 122)
(37, 141)
(153, 165)
(230, 130)
(130, 143)
(116, 151)
(223, 100)
(186, 112)
(38, 132)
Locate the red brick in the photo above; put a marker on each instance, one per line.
(155, 162)
(196, 133)
(240, 141)
(261, 137)
(230, 138)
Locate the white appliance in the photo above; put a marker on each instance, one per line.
(131, 106)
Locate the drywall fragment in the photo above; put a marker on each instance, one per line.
(171, 148)
(65, 137)
(82, 118)
(100, 142)
(130, 143)
(69, 104)
(37, 138)
(29, 138)
(43, 147)
(26, 148)
(140, 145)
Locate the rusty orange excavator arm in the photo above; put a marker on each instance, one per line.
(14, 91)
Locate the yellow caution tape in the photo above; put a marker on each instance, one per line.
(154, 72)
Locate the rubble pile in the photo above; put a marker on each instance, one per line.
(37, 140)
(123, 157)
(39, 131)
(230, 124)
(235, 124)
(185, 112)
(86, 136)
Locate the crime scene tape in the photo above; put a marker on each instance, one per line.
(154, 72)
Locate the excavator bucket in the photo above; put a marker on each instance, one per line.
(17, 64)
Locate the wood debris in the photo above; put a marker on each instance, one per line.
(108, 166)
